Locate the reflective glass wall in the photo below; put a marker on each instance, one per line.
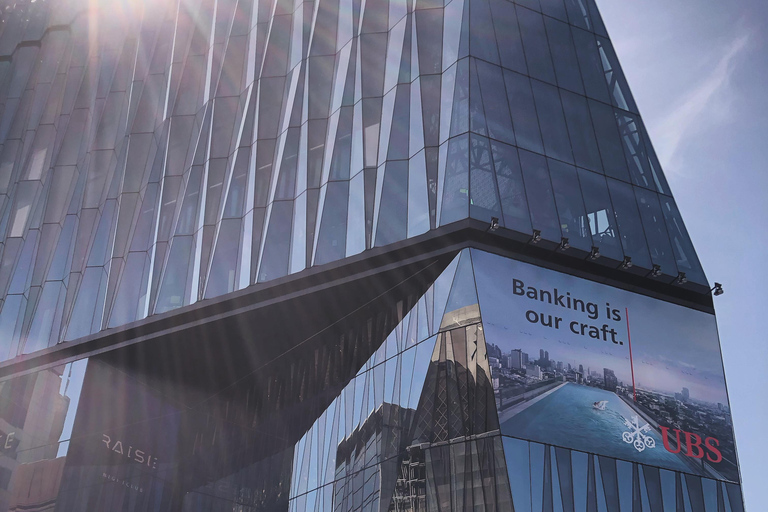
(155, 154)
(434, 420)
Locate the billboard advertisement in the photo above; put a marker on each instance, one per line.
(594, 368)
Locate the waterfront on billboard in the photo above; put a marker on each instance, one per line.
(590, 367)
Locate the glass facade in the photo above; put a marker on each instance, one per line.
(264, 255)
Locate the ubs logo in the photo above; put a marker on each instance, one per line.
(693, 445)
(131, 453)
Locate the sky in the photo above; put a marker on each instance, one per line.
(698, 71)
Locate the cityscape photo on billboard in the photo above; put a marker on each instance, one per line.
(590, 367)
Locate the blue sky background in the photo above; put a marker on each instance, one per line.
(699, 73)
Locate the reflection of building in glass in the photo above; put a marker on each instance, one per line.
(609, 377)
(251, 222)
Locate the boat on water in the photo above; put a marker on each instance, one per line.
(600, 405)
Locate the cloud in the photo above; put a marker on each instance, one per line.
(698, 103)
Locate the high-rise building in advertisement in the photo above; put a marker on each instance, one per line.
(302, 256)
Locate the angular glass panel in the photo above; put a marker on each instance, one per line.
(331, 239)
(397, 148)
(173, 290)
(11, 318)
(495, 104)
(685, 255)
(655, 231)
(581, 133)
(668, 490)
(430, 38)
(537, 475)
(89, 296)
(564, 55)
(274, 259)
(508, 35)
(356, 216)
(608, 141)
(132, 290)
(454, 185)
(418, 202)
(624, 477)
(460, 107)
(590, 64)
(629, 223)
(553, 128)
(578, 14)
(602, 220)
(511, 189)
(634, 150)
(523, 111)
(555, 9)
(482, 40)
(574, 223)
(393, 212)
(579, 462)
(535, 44)
(541, 201)
(484, 194)
(222, 276)
(44, 330)
(614, 77)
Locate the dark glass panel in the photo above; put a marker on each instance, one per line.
(630, 226)
(555, 9)
(523, 112)
(590, 64)
(574, 222)
(541, 201)
(655, 230)
(511, 189)
(482, 40)
(614, 77)
(581, 133)
(393, 213)
(495, 102)
(602, 221)
(454, 159)
(553, 128)
(608, 140)
(484, 195)
(535, 44)
(508, 35)
(564, 55)
(274, 259)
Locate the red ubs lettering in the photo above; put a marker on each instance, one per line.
(693, 445)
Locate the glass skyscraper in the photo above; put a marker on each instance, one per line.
(344, 255)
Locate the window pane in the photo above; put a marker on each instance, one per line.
(535, 45)
(523, 112)
(541, 202)
(628, 220)
(602, 221)
(581, 132)
(570, 207)
(511, 189)
(553, 130)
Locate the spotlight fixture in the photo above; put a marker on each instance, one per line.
(626, 263)
(656, 271)
(717, 289)
(494, 224)
(594, 253)
(564, 244)
(536, 238)
(681, 279)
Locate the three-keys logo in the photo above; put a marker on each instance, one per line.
(636, 435)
